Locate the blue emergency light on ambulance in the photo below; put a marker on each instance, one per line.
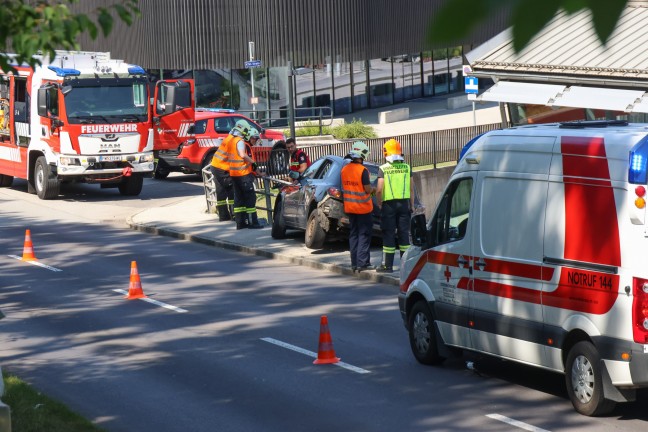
(638, 169)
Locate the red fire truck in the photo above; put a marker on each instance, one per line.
(80, 117)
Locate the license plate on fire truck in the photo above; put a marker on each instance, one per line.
(110, 158)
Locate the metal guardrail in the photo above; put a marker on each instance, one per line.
(420, 149)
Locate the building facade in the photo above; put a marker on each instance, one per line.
(346, 55)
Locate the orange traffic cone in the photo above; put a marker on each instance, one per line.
(135, 287)
(325, 352)
(28, 248)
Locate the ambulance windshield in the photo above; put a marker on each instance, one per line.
(106, 101)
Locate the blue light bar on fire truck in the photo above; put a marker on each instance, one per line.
(637, 172)
(64, 72)
(222, 110)
(136, 70)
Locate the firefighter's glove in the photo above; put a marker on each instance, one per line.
(255, 166)
(293, 174)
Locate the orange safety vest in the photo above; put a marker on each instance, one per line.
(224, 153)
(356, 200)
(237, 165)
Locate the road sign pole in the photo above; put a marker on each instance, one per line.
(251, 49)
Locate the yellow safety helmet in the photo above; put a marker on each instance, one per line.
(392, 148)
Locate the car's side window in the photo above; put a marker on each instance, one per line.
(450, 221)
(200, 127)
(312, 170)
(326, 168)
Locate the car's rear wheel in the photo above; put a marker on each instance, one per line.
(315, 234)
(422, 335)
(278, 225)
(584, 380)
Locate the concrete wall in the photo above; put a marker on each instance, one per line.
(430, 184)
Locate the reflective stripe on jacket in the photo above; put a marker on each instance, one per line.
(397, 177)
(356, 200)
(237, 165)
(225, 151)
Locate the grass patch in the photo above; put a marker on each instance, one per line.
(32, 411)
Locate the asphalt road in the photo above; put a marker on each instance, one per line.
(237, 355)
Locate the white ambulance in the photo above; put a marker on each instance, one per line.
(538, 253)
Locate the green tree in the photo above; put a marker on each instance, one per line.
(40, 27)
(457, 18)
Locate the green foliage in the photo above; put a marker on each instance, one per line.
(30, 28)
(32, 411)
(527, 17)
(355, 129)
(309, 129)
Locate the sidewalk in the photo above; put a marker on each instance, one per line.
(188, 219)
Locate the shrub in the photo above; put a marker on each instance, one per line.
(355, 129)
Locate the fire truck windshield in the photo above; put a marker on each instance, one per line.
(121, 100)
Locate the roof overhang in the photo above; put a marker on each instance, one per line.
(557, 95)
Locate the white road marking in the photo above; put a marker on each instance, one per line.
(314, 355)
(155, 302)
(36, 263)
(516, 423)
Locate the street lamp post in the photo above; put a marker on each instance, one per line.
(291, 102)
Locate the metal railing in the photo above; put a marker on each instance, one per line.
(420, 149)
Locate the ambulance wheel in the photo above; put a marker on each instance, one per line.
(46, 184)
(315, 235)
(422, 335)
(584, 381)
(131, 186)
(278, 225)
(6, 180)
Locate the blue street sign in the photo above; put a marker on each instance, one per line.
(471, 84)
(252, 64)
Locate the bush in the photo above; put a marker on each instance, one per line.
(309, 129)
(355, 129)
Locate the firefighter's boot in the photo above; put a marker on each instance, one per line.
(224, 213)
(253, 221)
(387, 265)
(241, 220)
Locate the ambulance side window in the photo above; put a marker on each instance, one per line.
(450, 221)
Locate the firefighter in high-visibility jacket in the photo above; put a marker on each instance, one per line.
(358, 205)
(395, 194)
(220, 169)
(243, 170)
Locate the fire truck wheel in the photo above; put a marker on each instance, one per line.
(46, 184)
(278, 225)
(6, 180)
(422, 334)
(315, 234)
(131, 186)
(584, 380)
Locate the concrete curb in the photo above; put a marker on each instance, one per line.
(335, 268)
